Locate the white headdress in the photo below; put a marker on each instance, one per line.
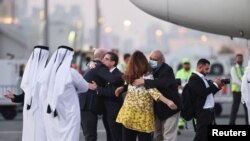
(57, 75)
(35, 66)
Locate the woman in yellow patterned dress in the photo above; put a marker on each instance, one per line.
(137, 115)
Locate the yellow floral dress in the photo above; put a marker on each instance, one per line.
(137, 111)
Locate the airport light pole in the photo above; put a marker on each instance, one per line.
(97, 24)
(46, 18)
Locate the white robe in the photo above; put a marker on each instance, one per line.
(33, 126)
(66, 126)
(245, 91)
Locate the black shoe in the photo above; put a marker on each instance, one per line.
(178, 132)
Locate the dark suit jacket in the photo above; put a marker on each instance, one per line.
(164, 81)
(19, 98)
(199, 91)
(111, 102)
(89, 101)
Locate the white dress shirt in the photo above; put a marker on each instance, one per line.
(111, 70)
(210, 98)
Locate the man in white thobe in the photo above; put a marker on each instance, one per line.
(59, 85)
(33, 127)
(245, 90)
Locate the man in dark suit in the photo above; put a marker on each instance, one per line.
(15, 98)
(202, 93)
(112, 103)
(90, 103)
(164, 81)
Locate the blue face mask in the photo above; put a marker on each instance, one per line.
(153, 64)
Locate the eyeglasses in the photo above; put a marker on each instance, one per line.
(107, 59)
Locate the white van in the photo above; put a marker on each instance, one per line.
(9, 80)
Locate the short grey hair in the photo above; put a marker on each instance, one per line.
(99, 53)
(160, 53)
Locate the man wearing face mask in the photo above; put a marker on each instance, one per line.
(164, 81)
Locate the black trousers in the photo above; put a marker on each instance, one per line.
(89, 121)
(131, 135)
(115, 129)
(204, 118)
(107, 128)
(235, 108)
(89, 125)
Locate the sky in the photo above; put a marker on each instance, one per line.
(113, 11)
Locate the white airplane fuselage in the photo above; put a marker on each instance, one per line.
(225, 17)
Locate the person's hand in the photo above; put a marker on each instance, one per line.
(171, 105)
(92, 65)
(218, 82)
(118, 91)
(243, 101)
(9, 95)
(138, 82)
(93, 85)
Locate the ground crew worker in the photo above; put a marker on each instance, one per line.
(236, 73)
(183, 74)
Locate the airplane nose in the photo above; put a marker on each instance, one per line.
(157, 8)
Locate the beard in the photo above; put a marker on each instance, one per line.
(203, 73)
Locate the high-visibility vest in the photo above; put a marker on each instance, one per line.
(184, 75)
(123, 67)
(235, 87)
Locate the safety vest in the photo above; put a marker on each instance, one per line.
(184, 75)
(235, 87)
(123, 67)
